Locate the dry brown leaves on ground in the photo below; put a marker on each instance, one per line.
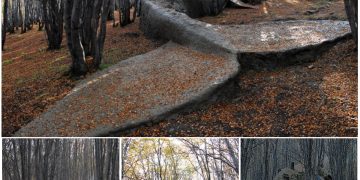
(316, 99)
(281, 10)
(33, 77)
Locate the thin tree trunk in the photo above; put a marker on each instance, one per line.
(352, 13)
(101, 38)
(232, 153)
(5, 22)
(72, 27)
(53, 21)
(266, 159)
(22, 15)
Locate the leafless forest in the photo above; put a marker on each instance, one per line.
(159, 159)
(84, 23)
(299, 159)
(59, 159)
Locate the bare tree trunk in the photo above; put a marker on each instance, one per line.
(125, 12)
(232, 153)
(206, 164)
(112, 10)
(110, 15)
(53, 21)
(87, 26)
(77, 23)
(54, 161)
(16, 159)
(352, 13)
(22, 149)
(306, 146)
(79, 65)
(266, 159)
(135, 10)
(101, 37)
(11, 23)
(5, 22)
(37, 159)
(159, 152)
(72, 28)
(22, 15)
(99, 159)
(28, 162)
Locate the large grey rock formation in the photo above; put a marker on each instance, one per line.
(273, 44)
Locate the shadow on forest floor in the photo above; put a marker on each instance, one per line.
(314, 99)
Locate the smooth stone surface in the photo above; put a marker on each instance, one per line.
(138, 90)
(280, 36)
(160, 20)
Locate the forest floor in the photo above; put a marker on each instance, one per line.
(313, 99)
(275, 10)
(34, 78)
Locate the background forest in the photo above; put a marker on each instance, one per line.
(84, 22)
(37, 54)
(310, 158)
(52, 159)
(160, 159)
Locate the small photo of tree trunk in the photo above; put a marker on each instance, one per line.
(298, 159)
(180, 158)
(60, 159)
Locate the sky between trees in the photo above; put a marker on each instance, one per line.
(180, 158)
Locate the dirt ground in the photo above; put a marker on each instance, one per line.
(34, 78)
(274, 10)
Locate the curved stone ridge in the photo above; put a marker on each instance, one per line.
(258, 46)
(280, 36)
(158, 19)
(134, 91)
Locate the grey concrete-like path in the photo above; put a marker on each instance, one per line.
(270, 45)
(140, 89)
(281, 36)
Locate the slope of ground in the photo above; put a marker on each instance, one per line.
(137, 90)
(281, 10)
(316, 99)
(33, 78)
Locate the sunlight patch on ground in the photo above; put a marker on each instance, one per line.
(265, 10)
(90, 82)
(266, 36)
(298, 32)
